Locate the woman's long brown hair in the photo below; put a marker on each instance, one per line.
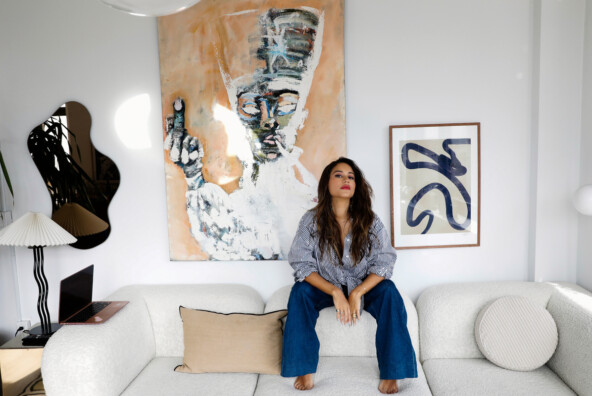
(360, 213)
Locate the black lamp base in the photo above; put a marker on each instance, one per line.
(38, 330)
(36, 336)
(36, 339)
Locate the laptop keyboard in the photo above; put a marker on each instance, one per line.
(89, 312)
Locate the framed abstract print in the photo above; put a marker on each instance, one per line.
(435, 185)
(253, 108)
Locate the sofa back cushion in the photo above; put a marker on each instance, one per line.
(343, 340)
(447, 314)
(163, 301)
(572, 311)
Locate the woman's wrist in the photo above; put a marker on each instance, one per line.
(335, 291)
(359, 291)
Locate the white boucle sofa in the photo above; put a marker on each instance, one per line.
(136, 351)
(454, 365)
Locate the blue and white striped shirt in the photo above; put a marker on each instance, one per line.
(304, 256)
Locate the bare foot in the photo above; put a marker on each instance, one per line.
(388, 386)
(304, 382)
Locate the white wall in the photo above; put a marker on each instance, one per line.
(557, 112)
(407, 62)
(585, 222)
(9, 311)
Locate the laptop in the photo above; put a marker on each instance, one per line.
(76, 305)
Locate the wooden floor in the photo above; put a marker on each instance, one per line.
(18, 368)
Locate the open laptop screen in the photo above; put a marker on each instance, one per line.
(76, 292)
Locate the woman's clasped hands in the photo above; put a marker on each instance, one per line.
(347, 310)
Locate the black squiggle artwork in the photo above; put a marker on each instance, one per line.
(449, 167)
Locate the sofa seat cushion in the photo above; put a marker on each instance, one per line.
(159, 378)
(470, 377)
(339, 376)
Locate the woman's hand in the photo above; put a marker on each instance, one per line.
(341, 305)
(355, 301)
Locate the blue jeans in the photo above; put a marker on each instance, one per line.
(300, 350)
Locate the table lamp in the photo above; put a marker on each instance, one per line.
(35, 231)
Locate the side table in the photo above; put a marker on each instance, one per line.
(19, 365)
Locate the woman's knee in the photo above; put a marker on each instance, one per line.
(387, 286)
(387, 290)
(301, 291)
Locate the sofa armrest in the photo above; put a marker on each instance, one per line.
(100, 360)
(571, 307)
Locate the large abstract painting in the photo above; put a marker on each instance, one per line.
(253, 108)
(435, 185)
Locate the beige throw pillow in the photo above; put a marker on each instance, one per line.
(236, 342)
(516, 334)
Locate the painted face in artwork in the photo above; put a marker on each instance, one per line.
(270, 101)
(265, 113)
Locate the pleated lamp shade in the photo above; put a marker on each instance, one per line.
(35, 229)
(79, 221)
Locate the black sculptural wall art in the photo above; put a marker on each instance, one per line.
(81, 180)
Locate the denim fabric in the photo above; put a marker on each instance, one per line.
(300, 351)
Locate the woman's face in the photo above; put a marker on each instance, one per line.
(342, 181)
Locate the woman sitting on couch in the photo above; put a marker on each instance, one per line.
(342, 256)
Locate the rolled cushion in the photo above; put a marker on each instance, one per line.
(516, 334)
(231, 343)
